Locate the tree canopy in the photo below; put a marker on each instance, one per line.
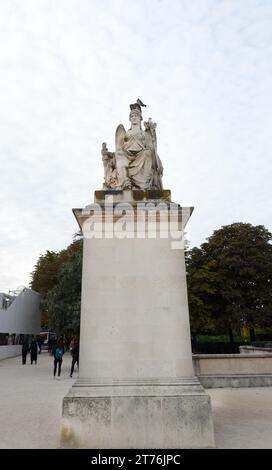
(57, 277)
(63, 300)
(230, 279)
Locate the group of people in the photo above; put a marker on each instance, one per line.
(34, 347)
(57, 351)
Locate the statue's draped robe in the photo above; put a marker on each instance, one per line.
(137, 149)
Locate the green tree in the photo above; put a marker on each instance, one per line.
(230, 278)
(63, 300)
(46, 273)
(201, 290)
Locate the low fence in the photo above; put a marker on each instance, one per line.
(233, 370)
(10, 351)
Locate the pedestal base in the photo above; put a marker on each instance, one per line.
(146, 413)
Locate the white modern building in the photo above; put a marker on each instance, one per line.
(19, 315)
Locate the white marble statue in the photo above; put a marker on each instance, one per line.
(110, 172)
(135, 163)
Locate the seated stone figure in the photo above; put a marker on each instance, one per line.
(135, 163)
(110, 172)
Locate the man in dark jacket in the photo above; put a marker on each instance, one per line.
(75, 356)
(33, 351)
(40, 342)
(25, 349)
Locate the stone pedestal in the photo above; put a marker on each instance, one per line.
(137, 387)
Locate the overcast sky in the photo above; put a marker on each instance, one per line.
(69, 70)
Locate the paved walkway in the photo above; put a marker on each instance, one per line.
(31, 401)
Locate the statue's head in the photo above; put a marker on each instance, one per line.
(135, 114)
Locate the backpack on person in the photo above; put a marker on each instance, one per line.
(59, 353)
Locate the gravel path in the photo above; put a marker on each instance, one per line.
(31, 404)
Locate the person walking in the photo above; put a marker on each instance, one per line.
(50, 345)
(75, 356)
(25, 349)
(58, 352)
(33, 351)
(40, 342)
(72, 342)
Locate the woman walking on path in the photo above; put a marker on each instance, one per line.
(72, 342)
(75, 356)
(33, 351)
(25, 349)
(40, 342)
(58, 352)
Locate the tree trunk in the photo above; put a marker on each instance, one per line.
(252, 334)
(231, 336)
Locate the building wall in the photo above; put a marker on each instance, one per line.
(4, 298)
(23, 315)
(10, 351)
